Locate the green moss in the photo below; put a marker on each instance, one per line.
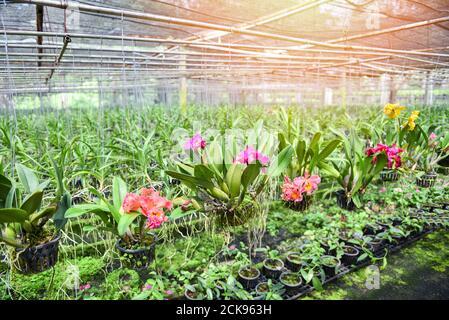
(121, 284)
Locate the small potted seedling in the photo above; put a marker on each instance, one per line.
(291, 281)
(330, 265)
(272, 267)
(192, 292)
(350, 255)
(293, 261)
(248, 276)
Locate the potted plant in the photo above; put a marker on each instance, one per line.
(131, 217)
(428, 155)
(299, 183)
(228, 189)
(291, 281)
(272, 267)
(349, 255)
(330, 265)
(268, 290)
(293, 261)
(28, 227)
(394, 161)
(356, 171)
(248, 276)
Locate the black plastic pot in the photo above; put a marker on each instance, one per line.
(372, 230)
(427, 180)
(271, 272)
(350, 255)
(376, 244)
(259, 287)
(249, 283)
(138, 259)
(389, 175)
(343, 202)
(291, 289)
(327, 248)
(38, 258)
(293, 265)
(329, 270)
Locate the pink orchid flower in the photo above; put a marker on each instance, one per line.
(391, 152)
(251, 155)
(150, 204)
(195, 143)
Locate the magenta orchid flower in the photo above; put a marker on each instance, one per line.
(195, 143)
(251, 155)
(391, 152)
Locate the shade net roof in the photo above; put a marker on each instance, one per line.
(74, 45)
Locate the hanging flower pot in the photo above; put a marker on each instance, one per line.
(443, 170)
(137, 255)
(389, 175)
(426, 180)
(235, 217)
(38, 258)
(297, 193)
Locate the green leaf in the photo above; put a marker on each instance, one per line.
(64, 204)
(250, 174)
(281, 162)
(204, 173)
(83, 209)
(178, 213)
(9, 215)
(234, 179)
(28, 178)
(119, 190)
(326, 152)
(125, 222)
(33, 202)
(189, 180)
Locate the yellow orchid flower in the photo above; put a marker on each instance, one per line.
(393, 111)
(411, 121)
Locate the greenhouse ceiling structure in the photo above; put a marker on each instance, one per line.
(177, 49)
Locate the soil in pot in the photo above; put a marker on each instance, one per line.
(294, 261)
(330, 265)
(292, 282)
(350, 255)
(272, 268)
(137, 255)
(248, 277)
(327, 248)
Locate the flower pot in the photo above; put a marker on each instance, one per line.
(140, 258)
(293, 261)
(327, 249)
(300, 206)
(248, 277)
(343, 201)
(350, 255)
(330, 265)
(376, 244)
(38, 258)
(292, 282)
(372, 230)
(262, 288)
(191, 295)
(426, 180)
(389, 175)
(272, 268)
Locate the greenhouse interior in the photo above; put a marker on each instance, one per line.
(224, 150)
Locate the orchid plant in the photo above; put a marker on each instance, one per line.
(24, 221)
(357, 170)
(299, 183)
(226, 184)
(394, 160)
(129, 215)
(431, 150)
